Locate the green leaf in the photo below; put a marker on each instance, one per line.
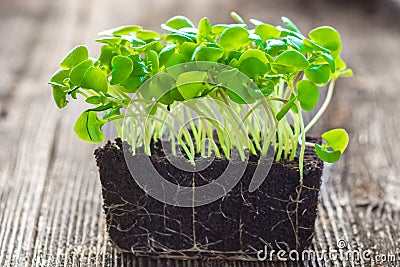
(59, 77)
(204, 29)
(340, 64)
(346, 73)
(326, 155)
(147, 35)
(113, 41)
(166, 53)
(94, 100)
(132, 83)
(292, 58)
(133, 40)
(287, 32)
(336, 143)
(74, 57)
(122, 30)
(57, 82)
(175, 59)
(152, 56)
(122, 68)
(337, 139)
(219, 28)
(187, 32)
(191, 84)
(178, 38)
(138, 75)
(267, 31)
(331, 61)
(78, 72)
(240, 99)
(318, 74)
(112, 112)
(282, 69)
(238, 92)
(237, 18)
(256, 39)
(155, 45)
(296, 43)
(95, 79)
(233, 55)
(226, 75)
(233, 63)
(106, 55)
(294, 107)
(315, 46)
(187, 50)
(253, 62)
(253, 90)
(139, 66)
(59, 96)
(238, 86)
(102, 107)
(88, 127)
(234, 38)
(254, 53)
(285, 109)
(327, 37)
(212, 54)
(274, 46)
(160, 88)
(290, 25)
(253, 67)
(308, 94)
(268, 89)
(179, 22)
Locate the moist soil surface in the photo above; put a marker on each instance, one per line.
(238, 224)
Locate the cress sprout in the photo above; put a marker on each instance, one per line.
(287, 68)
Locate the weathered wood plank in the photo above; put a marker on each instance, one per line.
(26, 182)
(29, 128)
(20, 33)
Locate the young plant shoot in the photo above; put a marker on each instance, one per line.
(276, 72)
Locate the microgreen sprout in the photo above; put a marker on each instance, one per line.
(276, 72)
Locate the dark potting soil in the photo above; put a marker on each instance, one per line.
(240, 223)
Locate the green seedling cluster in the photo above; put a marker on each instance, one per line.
(285, 72)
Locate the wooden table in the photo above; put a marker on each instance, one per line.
(50, 195)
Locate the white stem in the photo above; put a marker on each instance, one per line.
(310, 144)
(303, 141)
(323, 107)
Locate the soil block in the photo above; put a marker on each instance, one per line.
(280, 214)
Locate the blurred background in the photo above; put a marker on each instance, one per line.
(50, 202)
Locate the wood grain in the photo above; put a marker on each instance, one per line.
(50, 195)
